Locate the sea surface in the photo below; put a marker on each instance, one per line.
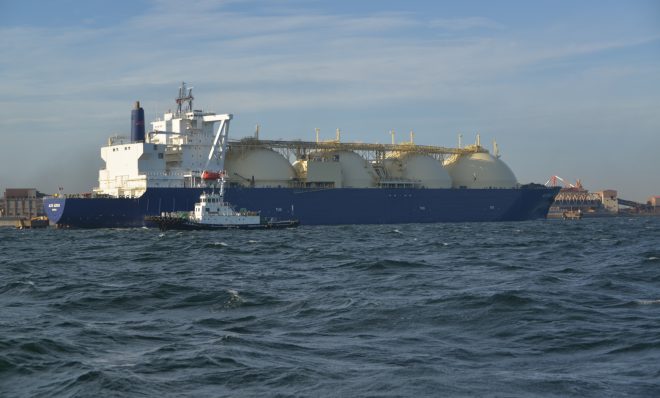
(542, 308)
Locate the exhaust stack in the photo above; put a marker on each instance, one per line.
(137, 123)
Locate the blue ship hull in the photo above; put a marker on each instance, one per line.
(315, 206)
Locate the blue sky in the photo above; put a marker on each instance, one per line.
(566, 87)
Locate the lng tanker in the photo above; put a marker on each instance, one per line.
(315, 182)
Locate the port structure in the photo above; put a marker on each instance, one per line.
(300, 149)
(574, 197)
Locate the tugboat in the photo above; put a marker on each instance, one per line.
(212, 212)
(572, 215)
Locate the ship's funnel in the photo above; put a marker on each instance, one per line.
(137, 123)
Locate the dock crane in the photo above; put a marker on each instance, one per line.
(552, 182)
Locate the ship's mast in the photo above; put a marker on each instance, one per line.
(183, 97)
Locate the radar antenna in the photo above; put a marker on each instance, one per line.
(183, 97)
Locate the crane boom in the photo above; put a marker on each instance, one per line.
(218, 148)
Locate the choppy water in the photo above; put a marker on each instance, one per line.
(550, 308)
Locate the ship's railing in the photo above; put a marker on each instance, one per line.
(81, 195)
(312, 184)
(399, 183)
(118, 140)
(166, 173)
(175, 214)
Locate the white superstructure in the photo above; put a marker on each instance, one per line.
(172, 155)
(213, 210)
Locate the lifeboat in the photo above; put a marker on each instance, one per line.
(212, 175)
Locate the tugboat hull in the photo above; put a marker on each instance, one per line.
(178, 223)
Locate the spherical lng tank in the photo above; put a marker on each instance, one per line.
(300, 168)
(479, 170)
(356, 172)
(258, 167)
(418, 167)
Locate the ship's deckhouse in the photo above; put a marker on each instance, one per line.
(172, 155)
(129, 166)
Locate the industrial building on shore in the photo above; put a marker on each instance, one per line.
(22, 208)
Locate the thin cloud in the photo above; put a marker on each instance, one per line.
(65, 83)
(458, 24)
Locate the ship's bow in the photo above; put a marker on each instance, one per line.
(54, 208)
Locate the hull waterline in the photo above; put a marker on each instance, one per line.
(315, 206)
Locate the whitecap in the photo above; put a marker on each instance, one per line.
(253, 241)
(234, 298)
(648, 302)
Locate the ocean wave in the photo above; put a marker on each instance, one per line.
(533, 308)
(651, 257)
(648, 302)
(380, 265)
